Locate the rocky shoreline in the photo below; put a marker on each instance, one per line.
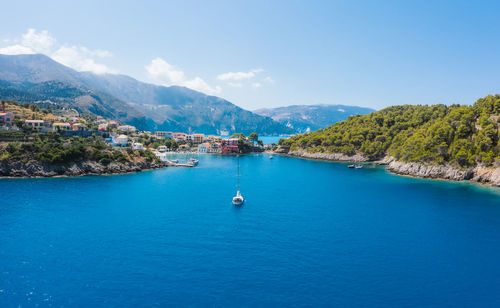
(330, 156)
(480, 174)
(87, 167)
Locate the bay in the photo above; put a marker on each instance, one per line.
(311, 233)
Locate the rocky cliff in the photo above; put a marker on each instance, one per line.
(480, 174)
(39, 169)
(329, 156)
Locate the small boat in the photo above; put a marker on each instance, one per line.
(193, 162)
(355, 166)
(238, 200)
(271, 156)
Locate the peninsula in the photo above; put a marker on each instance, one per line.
(454, 142)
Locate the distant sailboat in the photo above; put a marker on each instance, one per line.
(238, 199)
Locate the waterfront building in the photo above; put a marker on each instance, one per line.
(229, 146)
(198, 138)
(163, 149)
(203, 148)
(214, 147)
(184, 147)
(189, 138)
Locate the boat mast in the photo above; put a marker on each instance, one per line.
(238, 173)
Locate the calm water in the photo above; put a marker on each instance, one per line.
(311, 234)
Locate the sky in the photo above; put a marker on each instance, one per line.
(262, 54)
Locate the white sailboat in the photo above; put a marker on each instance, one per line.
(238, 199)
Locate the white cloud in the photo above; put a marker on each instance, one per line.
(16, 50)
(162, 72)
(235, 84)
(77, 57)
(239, 75)
(256, 85)
(269, 80)
(40, 42)
(80, 59)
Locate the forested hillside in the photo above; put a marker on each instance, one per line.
(457, 134)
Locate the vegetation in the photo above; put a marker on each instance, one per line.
(53, 149)
(149, 140)
(438, 134)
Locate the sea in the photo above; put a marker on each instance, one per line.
(310, 234)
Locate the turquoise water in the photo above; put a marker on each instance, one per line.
(311, 234)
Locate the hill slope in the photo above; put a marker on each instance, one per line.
(460, 136)
(306, 118)
(37, 77)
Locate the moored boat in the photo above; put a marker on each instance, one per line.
(238, 199)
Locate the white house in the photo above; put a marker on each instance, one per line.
(121, 140)
(203, 148)
(61, 126)
(37, 124)
(163, 149)
(125, 128)
(137, 146)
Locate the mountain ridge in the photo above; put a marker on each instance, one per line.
(124, 98)
(306, 118)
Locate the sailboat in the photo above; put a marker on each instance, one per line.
(238, 199)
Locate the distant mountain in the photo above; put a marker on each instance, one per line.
(305, 118)
(39, 78)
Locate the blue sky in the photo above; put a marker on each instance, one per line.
(275, 53)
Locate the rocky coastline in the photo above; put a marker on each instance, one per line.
(87, 167)
(357, 158)
(479, 174)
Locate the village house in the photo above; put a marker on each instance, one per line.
(126, 128)
(184, 147)
(112, 124)
(214, 147)
(121, 140)
(103, 127)
(137, 146)
(6, 117)
(57, 126)
(179, 136)
(189, 138)
(78, 126)
(100, 121)
(203, 148)
(198, 138)
(163, 148)
(229, 146)
(164, 135)
(35, 124)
